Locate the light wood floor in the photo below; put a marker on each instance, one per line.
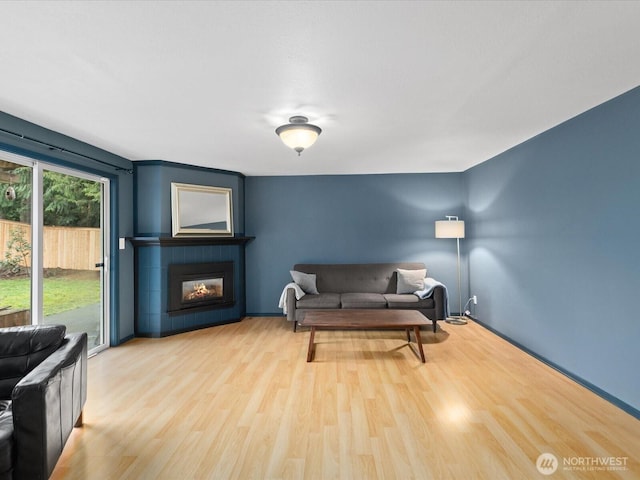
(240, 401)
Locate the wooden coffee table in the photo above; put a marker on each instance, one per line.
(375, 319)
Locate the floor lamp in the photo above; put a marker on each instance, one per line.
(452, 227)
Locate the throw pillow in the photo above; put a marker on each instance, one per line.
(410, 280)
(306, 281)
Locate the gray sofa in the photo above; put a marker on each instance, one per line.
(369, 285)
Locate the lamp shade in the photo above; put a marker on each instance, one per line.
(449, 228)
(298, 134)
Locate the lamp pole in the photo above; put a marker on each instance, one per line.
(460, 318)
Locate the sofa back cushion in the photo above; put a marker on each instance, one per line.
(357, 278)
(24, 348)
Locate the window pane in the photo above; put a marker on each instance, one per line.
(15, 244)
(72, 246)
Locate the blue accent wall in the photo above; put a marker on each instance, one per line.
(345, 219)
(553, 245)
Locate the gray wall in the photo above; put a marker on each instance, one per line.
(345, 219)
(553, 246)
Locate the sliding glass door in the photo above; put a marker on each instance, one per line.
(73, 258)
(57, 248)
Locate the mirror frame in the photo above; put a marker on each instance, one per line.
(183, 197)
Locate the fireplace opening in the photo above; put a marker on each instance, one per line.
(201, 290)
(200, 286)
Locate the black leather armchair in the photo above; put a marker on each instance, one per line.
(43, 388)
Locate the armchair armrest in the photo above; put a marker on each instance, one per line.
(46, 405)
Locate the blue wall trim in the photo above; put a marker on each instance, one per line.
(54, 160)
(588, 385)
(167, 333)
(165, 163)
(44, 135)
(124, 340)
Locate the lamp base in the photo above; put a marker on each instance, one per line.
(456, 320)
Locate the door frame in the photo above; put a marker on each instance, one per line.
(105, 233)
(38, 167)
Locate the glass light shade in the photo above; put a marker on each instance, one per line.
(449, 228)
(298, 134)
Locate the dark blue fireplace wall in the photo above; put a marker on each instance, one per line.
(152, 300)
(153, 193)
(153, 219)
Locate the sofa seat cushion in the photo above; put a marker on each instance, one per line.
(6, 439)
(408, 301)
(363, 300)
(322, 300)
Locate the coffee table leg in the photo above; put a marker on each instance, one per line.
(408, 335)
(416, 331)
(311, 344)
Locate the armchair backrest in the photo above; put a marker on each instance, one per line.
(24, 348)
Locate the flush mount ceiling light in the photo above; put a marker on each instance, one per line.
(298, 134)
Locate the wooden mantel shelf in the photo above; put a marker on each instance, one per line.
(187, 241)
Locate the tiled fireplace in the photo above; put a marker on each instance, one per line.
(208, 283)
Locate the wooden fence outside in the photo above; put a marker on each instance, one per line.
(72, 248)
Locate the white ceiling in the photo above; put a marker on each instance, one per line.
(396, 86)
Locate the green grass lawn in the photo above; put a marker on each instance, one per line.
(61, 294)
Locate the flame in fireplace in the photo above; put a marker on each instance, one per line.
(199, 291)
(200, 286)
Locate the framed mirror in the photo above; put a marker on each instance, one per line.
(201, 210)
